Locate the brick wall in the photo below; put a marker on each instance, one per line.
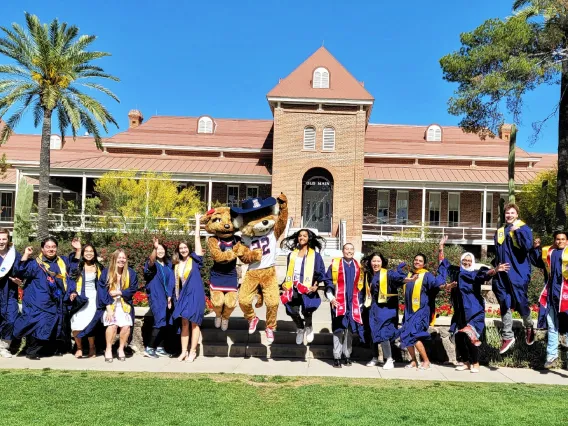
(345, 163)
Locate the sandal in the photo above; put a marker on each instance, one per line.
(409, 366)
(192, 356)
(108, 359)
(183, 356)
(425, 368)
(77, 352)
(122, 358)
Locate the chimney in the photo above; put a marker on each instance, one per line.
(135, 119)
(505, 132)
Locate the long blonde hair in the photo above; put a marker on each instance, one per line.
(112, 274)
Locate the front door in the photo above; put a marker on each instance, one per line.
(318, 203)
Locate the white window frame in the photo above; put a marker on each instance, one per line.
(331, 139)
(402, 220)
(310, 144)
(204, 186)
(488, 210)
(320, 78)
(230, 203)
(205, 125)
(459, 208)
(439, 194)
(252, 187)
(379, 218)
(11, 206)
(434, 133)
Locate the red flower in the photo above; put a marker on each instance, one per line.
(208, 303)
(140, 299)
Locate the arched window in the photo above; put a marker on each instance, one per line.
(321, 78)
(205, 125)
(328, 139)
(310, 138)
(434, 133)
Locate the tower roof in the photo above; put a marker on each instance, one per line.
(342, 85)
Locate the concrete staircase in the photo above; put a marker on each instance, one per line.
(236, 342)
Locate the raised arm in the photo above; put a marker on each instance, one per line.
(154, 254)
(535, 254)
(524, 237)
(280, 225)
(217, 254)
(197, 237)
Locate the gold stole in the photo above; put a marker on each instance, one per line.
(308, 269)
(417, 290)
(186, 272)
(62, 268)
(383, 287)
(80, 280)
(501, 233)
(335, 273)
(125, 283)
(547, 256)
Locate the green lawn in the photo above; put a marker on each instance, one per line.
(88, 398)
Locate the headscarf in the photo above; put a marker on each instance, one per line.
(473, 266)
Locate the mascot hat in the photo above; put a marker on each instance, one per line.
(253, 204)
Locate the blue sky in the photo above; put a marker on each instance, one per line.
(221, 57)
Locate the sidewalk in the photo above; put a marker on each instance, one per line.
(284, 367)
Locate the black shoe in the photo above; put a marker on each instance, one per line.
(33, 357)
(348, 362)
(336, 363)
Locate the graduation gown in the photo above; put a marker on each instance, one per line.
(45, 305)
(9, 309)
(104, 299)
(468, 303)
(191, 301)
(415, 325)
(511, 287)
(160, 282)
(383, 317)
(344, 322)
(310, 301)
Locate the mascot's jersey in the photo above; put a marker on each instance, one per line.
(267, 243)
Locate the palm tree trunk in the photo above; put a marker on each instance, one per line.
(512, 146)
(562, 176)
(44, 172)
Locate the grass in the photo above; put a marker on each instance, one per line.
(51, 397)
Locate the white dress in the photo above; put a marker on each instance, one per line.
(85, 315)
(121, 318)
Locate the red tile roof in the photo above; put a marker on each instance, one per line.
(229, 133)
(220, 165)
(382, 172)
(342, 85)
(9, 178)
(547, 161)
(27, 147)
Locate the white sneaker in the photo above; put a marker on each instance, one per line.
(474, 370)
(224, 324)
(5, 353)
(217, 322)
(309, 334)
(550, 364)
(373, 362)
(389, 364)
(300, 336)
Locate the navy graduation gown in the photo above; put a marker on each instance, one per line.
(511, 287)
(468, 303)
(310, 301)
(191, 302)
(9, 309)
(160, 283)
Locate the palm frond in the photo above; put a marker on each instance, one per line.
(91, 127)
(101, 89)
(14, 70)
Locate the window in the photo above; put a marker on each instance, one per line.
(252, 191)
(310, 138)
(6, 206)
(233, 195)
(54, 201)
(328, 139)
(383, 201)
(434, 133)
(321, 78)
(453, 209)
(401, 207)
(201, 189)
(434, 207)
(205, 125)
(488, 210)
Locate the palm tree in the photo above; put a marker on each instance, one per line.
(50, 63)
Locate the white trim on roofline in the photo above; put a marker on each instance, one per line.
(451, 157)
(440, 186)
(22, 162)
(321, 100)
(184, 147)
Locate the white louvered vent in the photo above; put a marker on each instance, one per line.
(205, 125)
(329, 139)
(310, 138)
(321, 78)
(434, 134)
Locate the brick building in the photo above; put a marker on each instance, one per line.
(350, 179)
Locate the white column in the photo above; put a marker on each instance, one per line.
(16, 193)
(423, 210)
(209, 194)
(484, 216)
(83, 201)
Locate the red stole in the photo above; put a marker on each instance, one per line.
(547, 257)
(338, 276)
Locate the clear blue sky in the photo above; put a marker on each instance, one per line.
(220, 58)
